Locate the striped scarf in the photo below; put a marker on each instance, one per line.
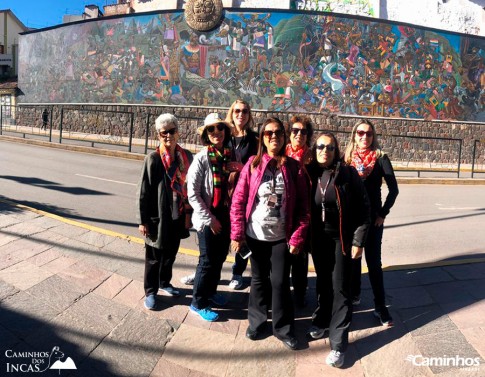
(176, 171)
(218, 162)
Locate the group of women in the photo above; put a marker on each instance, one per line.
(276, 198)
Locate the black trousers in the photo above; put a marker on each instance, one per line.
(270, 287)
(372, 252)
(158, 266)
(299, 273)
(333, 270)
(213, 252)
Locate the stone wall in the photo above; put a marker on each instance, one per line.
(406, 140)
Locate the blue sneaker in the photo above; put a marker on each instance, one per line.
(150, 302)
(218, 299)
(206, 314)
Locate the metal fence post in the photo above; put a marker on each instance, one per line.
(475, 142)
(60, 125)
(50, 125)
(132, 125)
(1, 119)
(459, 158)
(147, 132)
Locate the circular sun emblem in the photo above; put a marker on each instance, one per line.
(203, 15)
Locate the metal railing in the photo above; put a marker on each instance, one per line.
(420, 155)
(116, 130)
(105, 127)
(476, 156)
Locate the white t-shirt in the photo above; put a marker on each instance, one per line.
(267, 219)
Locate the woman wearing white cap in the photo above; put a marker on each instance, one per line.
(207, 192)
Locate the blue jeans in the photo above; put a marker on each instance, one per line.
(240, 264)
(213, 252)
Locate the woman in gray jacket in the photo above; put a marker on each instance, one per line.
(163, 212)
(208, 196)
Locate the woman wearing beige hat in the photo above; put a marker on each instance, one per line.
(244, 144)
(207, 193)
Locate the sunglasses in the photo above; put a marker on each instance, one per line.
(362, 133)
(211, 129)
(244, 111)
(171, 131)
(269, 133)
(303, 131)
(329, 147)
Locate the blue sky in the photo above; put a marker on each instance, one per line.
(44, 13)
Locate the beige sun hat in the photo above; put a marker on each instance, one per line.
(210, 120)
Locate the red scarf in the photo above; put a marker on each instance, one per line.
(176, 171)
(218, 162)
(298, 154)
(364, 160)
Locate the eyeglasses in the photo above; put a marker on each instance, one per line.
(269, 133)
(329, 147)
(303, 131)
(211, 129)
(362, 133)
(171, 131)
(244, 111)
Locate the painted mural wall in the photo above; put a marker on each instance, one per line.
(368, 8)
(283, 61)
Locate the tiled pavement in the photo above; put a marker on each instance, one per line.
(66, 286)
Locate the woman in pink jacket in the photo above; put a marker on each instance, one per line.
(264, 215)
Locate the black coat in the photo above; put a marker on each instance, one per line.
(352, 204)
(382, 169)
(154, 204)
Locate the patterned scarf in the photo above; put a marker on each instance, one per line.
(218, 162)
(364, 160)
(297, 155)
(176, 170)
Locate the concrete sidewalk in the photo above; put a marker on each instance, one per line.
(64, 284)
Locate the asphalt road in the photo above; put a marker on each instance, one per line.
(428, 222)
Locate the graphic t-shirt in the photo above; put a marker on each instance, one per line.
(267, 220)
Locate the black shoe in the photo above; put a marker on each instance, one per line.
(252, 334)
(291, 343)
(383, 315)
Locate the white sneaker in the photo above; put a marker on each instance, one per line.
(170, 291)
(188, 280)
(236, 282)
(335, 359)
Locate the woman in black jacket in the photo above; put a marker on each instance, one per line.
(373, 165)
(340, 218)
(162, 209)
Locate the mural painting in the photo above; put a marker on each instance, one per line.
(356, 7)
(279, 61)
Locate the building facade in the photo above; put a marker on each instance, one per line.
(10, 28)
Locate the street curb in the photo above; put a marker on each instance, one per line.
(230, 258)
(441, 181)
(75, 148)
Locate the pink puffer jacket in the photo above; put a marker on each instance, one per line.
(296, 191)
